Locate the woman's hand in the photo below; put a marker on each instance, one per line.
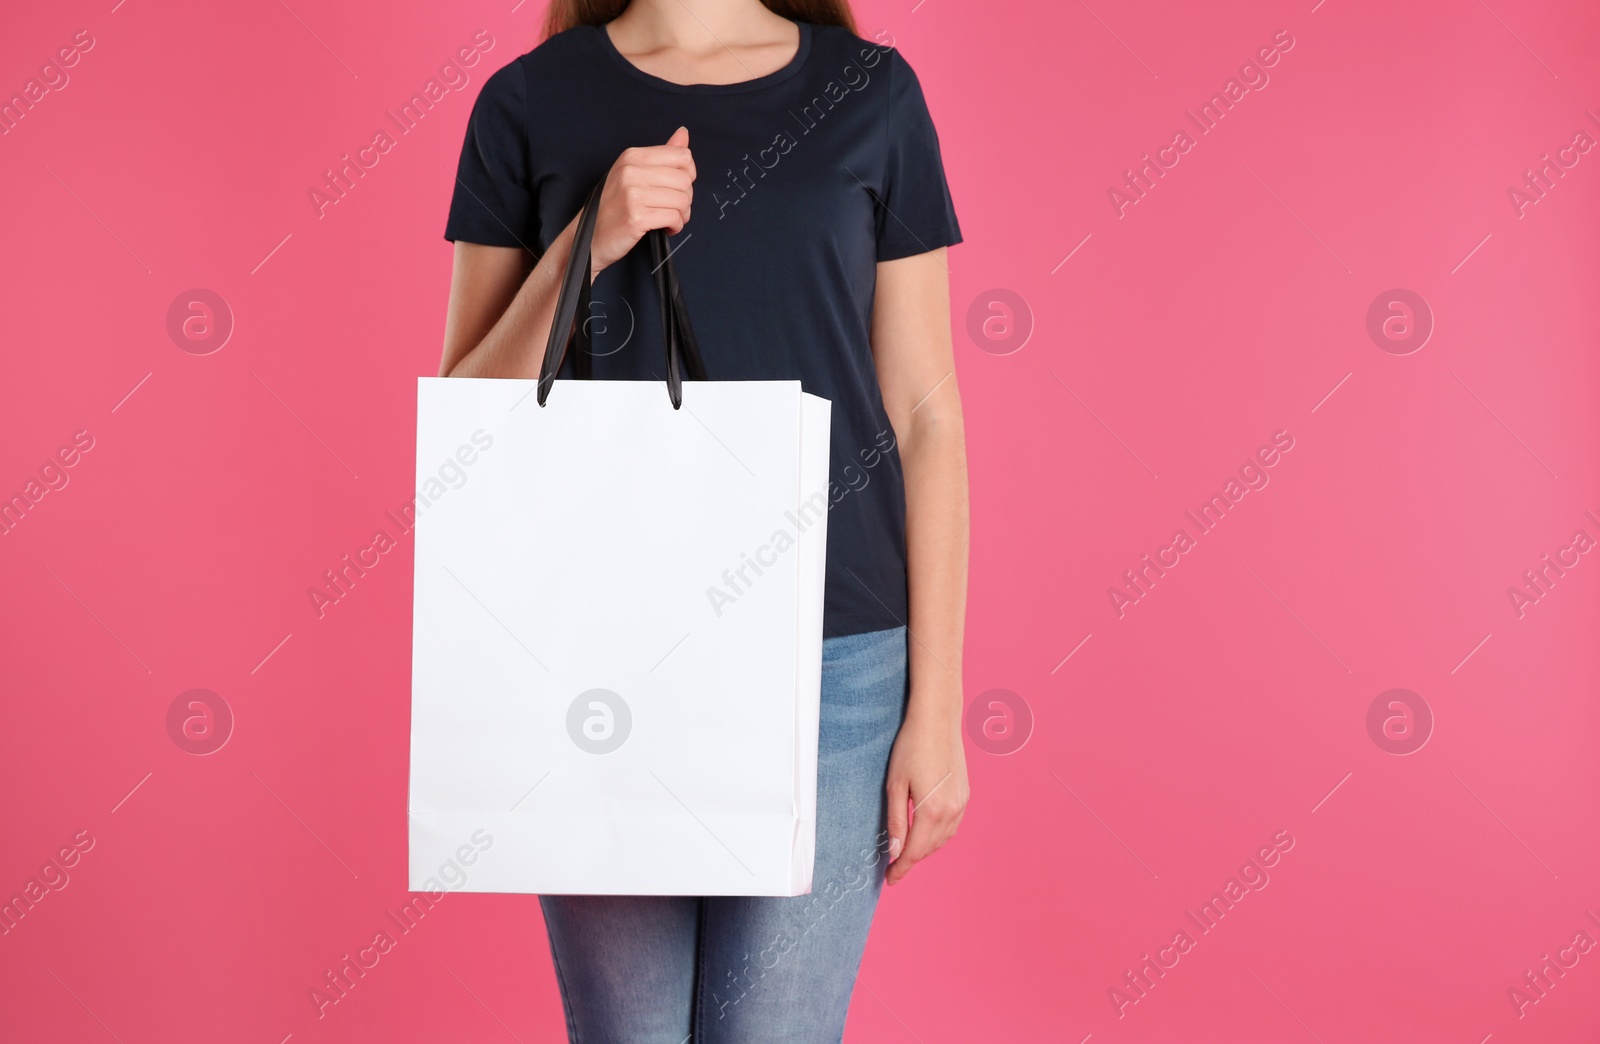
(648, 187)
(928, 774)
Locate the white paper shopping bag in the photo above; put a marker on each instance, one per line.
(617, 636)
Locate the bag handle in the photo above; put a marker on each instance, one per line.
(683, 357)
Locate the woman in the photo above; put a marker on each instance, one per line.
(817, 254)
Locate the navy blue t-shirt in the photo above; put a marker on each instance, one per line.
(806, 178)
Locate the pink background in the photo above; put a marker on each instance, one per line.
(1163, 347)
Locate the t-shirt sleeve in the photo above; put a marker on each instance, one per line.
(493, 200)
(914, 213)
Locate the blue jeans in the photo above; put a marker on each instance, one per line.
(724, 969)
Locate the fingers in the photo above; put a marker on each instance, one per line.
(898, 799)
(669, 218)
(934, 820)
(673, 154)
(641, 176)
(662, 197)
(676, 150)
(650, 180)
(647, 208)
(899, 788)
(656, 156)
(649, 187)
(920, 844)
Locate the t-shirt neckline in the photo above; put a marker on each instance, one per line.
(776, 76)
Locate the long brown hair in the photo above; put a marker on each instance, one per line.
(565, 14)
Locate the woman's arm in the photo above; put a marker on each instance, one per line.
(916, 371)
(500, 311)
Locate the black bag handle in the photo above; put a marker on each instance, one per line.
(683, 357)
